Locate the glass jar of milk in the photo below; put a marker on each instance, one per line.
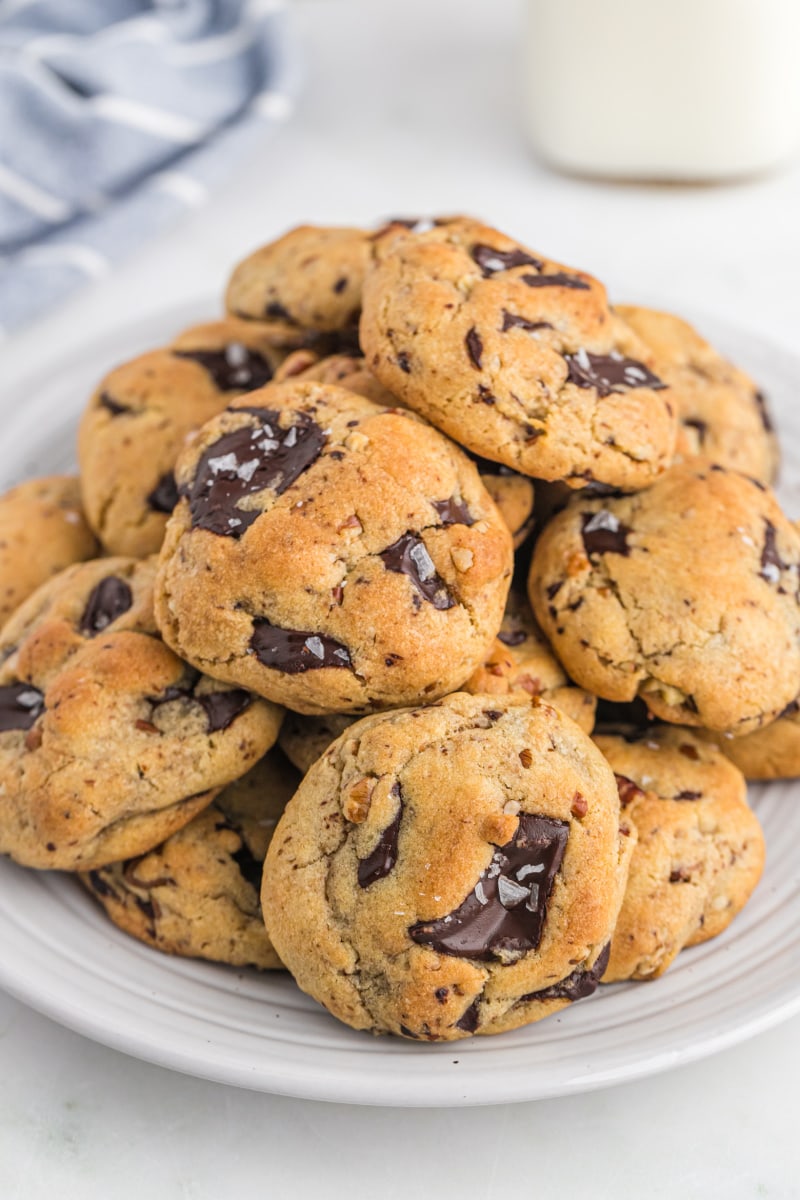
(684, 90)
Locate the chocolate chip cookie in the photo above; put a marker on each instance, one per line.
(304, 739)
(450, 870)
(700, 849)
(144, 412)
(770, 753)
(108, 742)
(330, 554)
(198, 894)
(685, 594)
(722, 414)
(42, 531)
(516, 357)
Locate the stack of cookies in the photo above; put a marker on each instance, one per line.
(413, 628)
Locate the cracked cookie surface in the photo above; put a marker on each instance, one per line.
(451, 870)
(108, 741)
(685, 594)
(348, 554)
(42, 531)
(198, 894)
(722, 414)
(143, 413)
(517, 357)
(699, 853)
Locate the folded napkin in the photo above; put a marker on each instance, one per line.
(115, 117)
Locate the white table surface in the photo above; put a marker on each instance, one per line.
(413, 108)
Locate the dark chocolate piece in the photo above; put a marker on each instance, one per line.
(108, 600)
(20, 705)
(474, 347)
(453, 512)
(113, 406)
(245, 461)
(686, 795)
(506, 911)
(468, 1021)
(164, 495)
(557, 279)
(380, 861)
(293, 651)
(699, 426)
(763, 410)
(491, 261)
(409, 556)
(582, 982)
(514, 321)
(603, 533)
(771, 562)
(100, 886)
(235, 368)
(221, 708)
(277, 312)
(609, 373)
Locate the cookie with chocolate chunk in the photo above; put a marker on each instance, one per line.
(331, 554)
(108, 742)
(700, 849)
(144, 412)
(198, 894)
(770, 753)
(450, 870)
(722, 414)
(42, 531)
(685, 594)
(522, 661)
(517, 357)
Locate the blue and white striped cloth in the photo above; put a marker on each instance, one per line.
(117, 115)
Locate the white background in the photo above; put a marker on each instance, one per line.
(411, 108)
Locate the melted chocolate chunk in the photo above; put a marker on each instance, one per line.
(236, 368)
(474, 347)
(221, 708)
(250, 868)
(763, 410)
(113, 406)
(771, 562)
(380, 861)
(409, 556)
(453, 512)
(245, 461)
(557, 279)
(20, 705)
(513, 637)
(491, 261)
(295, 652)
(468, 1021)
(110, 599)
(603, 533)
(609, 373)
(513, 321)
(404, 362)
(506, 911)
(164, 495)
(686, 795)
(582, 982)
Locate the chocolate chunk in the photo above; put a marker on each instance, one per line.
(164, 495)
(685, 795)
(603, 533)
(453, 512)
(221, 708)
(699, 426)
(277, 312)
(409, 556)
(245, 461)
(628, 790)
(491, 261)
(340, 285)
(295, 652)
(485, 396)
(100, 886)
(474, 347)
(20, 705)
(114, 407)
(108, 600)
(468, 1021)
(557, 279)
(506, 911)
(763, 410)
(609, 373)
(513, 321)
(403, 362)
(553, 589)
(380, 861)
(791, 708)
(582, 982)
(235, 368)
(771, 562)
(512, 637)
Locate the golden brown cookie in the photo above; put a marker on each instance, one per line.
(772, 752)
(304, 739)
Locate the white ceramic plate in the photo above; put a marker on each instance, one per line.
(59, 953)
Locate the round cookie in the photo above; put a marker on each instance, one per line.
(770, 753)
(42, 531)
(347, 370)
(518, 358)
(700, 849)
(144, 412)
(198, 894)
(108, 742)
(721, 412)
(450, 870)
(330, 554)
(304, 739)
(521, 661)
(685, 594)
